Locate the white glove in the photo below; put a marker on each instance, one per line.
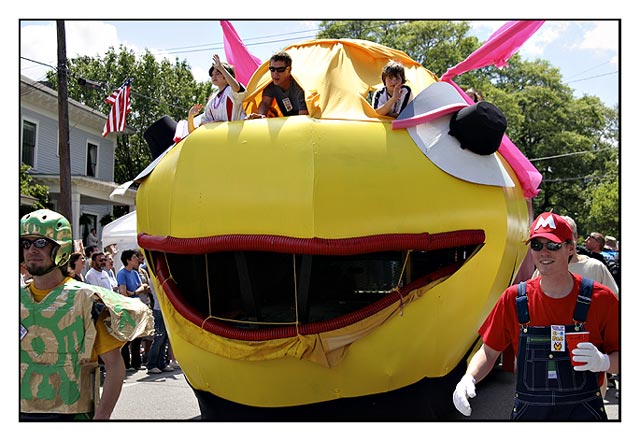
(586, 352)
(465, 389)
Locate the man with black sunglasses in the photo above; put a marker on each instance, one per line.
(283, 88)
(587, 266)
(537, 317)
(63, 330)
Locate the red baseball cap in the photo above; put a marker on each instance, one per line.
(552, 227)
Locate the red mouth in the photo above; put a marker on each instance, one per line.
(262, 287)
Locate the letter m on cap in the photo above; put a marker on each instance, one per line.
(548, 222)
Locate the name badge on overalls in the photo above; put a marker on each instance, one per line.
(287, 104)
(557, 338)
(557, 345)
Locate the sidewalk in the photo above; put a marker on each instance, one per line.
(166, 396)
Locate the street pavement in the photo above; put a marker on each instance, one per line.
(168, 396)
(165, 396)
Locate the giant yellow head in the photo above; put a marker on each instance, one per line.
(311, 258)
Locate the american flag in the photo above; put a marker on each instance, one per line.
(120, 101)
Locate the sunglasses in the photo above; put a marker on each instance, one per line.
(39, 243)
(551, 246)
(278, 69)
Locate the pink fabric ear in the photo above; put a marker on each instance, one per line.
(498, 48)
(237, 54)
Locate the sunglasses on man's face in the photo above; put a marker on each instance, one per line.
(551, 246)
(278, 69)
(39, 243)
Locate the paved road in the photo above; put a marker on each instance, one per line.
(167, 396)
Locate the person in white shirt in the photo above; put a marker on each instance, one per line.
(110, 270)
(96, 274)
(226, 103)
(92, 238)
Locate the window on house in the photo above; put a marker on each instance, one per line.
(28, 142)
(92, 159)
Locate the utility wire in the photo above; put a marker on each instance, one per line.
(244, 40)
(39, 62)
(221, 46)
(587, 70)
(590, 78)
(580, 178)
(573, 153)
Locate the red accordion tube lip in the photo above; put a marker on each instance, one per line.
(314, 246)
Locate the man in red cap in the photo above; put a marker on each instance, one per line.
(535, 317)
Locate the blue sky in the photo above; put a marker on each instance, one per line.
(586, 52)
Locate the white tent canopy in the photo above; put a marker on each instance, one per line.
(122, 232)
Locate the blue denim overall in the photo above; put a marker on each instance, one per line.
(548, 388)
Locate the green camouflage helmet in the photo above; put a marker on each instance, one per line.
(53, 226)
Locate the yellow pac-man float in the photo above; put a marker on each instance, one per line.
(312, 261)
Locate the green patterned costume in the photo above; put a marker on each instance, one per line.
(55, 353)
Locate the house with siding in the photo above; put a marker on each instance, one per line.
(92, 156)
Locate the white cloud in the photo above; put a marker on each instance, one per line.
(92, 38)
(200, 74)
(532, 48)
(604, 36)
(548, 33)
(484, 28)
(614, 61)
(39, 42)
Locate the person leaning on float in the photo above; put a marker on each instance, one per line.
(535, 317)
(394, 95)
(283, 88)
(64, 326)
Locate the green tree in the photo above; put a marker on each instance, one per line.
(29, 188)
(158, 88)
(603, 213)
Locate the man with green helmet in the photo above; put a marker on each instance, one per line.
(64, 326)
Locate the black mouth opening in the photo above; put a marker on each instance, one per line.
(254, 294)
